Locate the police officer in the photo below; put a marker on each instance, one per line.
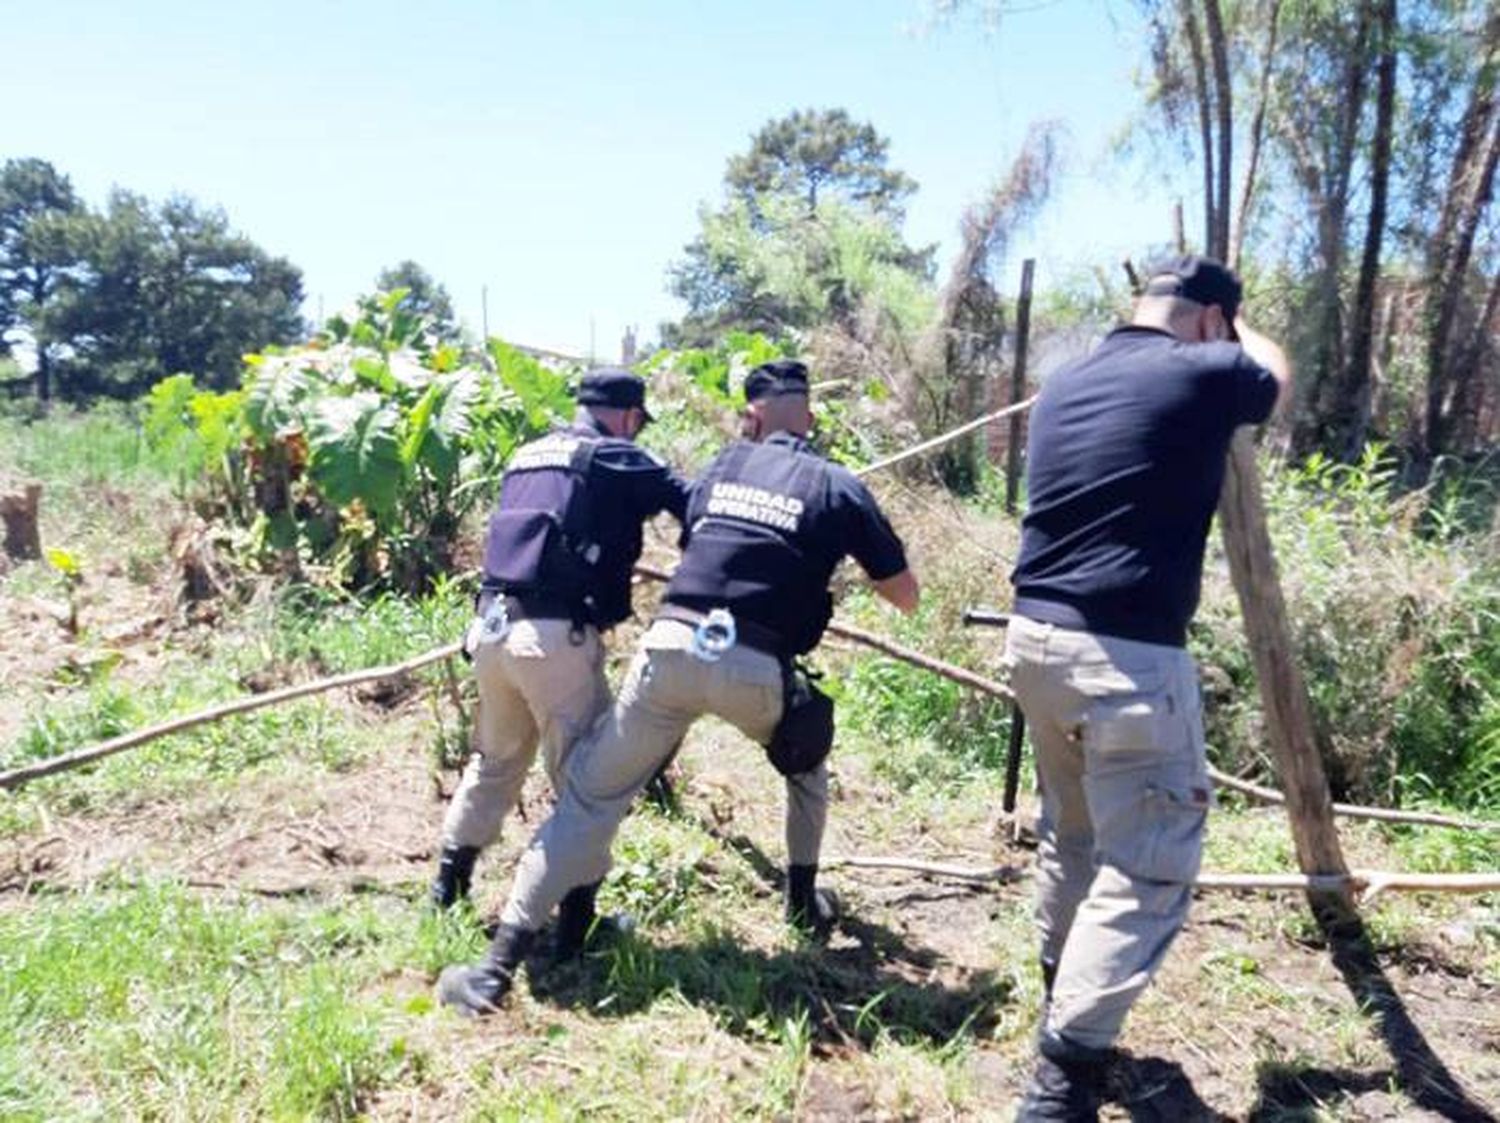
(1125, 463)
(557, 569)
(767, 523)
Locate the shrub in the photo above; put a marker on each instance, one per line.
(1395, 632)
(361, 452)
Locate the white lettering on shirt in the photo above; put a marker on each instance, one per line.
(755, 504)
(549, 452)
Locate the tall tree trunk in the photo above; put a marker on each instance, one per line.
(1252, 565)
(1348, 418)
(40, 286)
(1205, 119)
(1469, 187)
(1218, 242)
(1257, 135)
(1327, 179)
(1469, 395)
(43, 373)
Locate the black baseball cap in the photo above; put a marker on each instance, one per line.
(1199, 279)
(770, 380)
(614, 387)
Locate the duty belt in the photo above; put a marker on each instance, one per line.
(749, 634)
(531, 606)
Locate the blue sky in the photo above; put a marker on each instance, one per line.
(557, 153)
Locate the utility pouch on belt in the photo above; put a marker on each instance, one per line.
(804, 735)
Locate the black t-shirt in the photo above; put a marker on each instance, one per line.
(625, 485)
(1124, 465)
(766, 526)
(628, 485)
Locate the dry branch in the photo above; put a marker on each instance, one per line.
(18, 776)
(978, 874)
(1368, 883)
(1354, 810)
(889, 647)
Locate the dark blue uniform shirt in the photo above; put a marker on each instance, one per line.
(767, 524)
(625, 486)
(1124, 465)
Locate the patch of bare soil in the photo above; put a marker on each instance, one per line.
(372, 826)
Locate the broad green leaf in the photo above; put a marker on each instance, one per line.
(439, 426)
(419, 425)
(355, 453)
(375, 373)
(543, 392)
(272, 400)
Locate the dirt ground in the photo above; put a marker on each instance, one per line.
(1252, 1018)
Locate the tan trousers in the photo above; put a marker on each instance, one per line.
(1118, 730)
(536, 687)
(666, 689)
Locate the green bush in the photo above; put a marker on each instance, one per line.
(1395, 616)
(361, 452)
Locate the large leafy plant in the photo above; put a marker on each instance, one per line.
(365, 448)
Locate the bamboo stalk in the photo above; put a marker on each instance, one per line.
(67, 761)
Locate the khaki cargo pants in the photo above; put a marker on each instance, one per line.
(666, 690)
(542, 684)
(1118, 730)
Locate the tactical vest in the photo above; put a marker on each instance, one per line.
(540, 535)
(757, 526)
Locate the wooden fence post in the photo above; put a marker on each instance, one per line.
(1283, 692)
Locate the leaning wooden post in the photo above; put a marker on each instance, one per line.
(1283, 692)
(1018, 387)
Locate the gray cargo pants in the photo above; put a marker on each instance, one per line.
(1118, 730)
(537, 686)
(666, 690)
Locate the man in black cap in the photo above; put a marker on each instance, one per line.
(1125, 462)
(767, 522)
(557, 566)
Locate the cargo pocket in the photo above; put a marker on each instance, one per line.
(1178, 814)
(1130, 729)
(1148, 822)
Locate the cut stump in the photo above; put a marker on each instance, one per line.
(18, 512)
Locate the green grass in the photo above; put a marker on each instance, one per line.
(303, 634)
(102, 445)
(151, 1001)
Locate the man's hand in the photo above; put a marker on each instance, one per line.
(1268, 354)
(900, 590)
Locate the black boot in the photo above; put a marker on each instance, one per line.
(476, 989)
(809, 909)
(579, 924)
(455, 871)
(1049, 980)
(1067, 1083)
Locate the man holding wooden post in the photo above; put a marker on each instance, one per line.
(1126, 460)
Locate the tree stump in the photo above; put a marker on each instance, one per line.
(18, 511)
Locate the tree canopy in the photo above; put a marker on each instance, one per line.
(809, 230)
(37, 248)
(113, 300)
(813, 152)
(424, 297)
